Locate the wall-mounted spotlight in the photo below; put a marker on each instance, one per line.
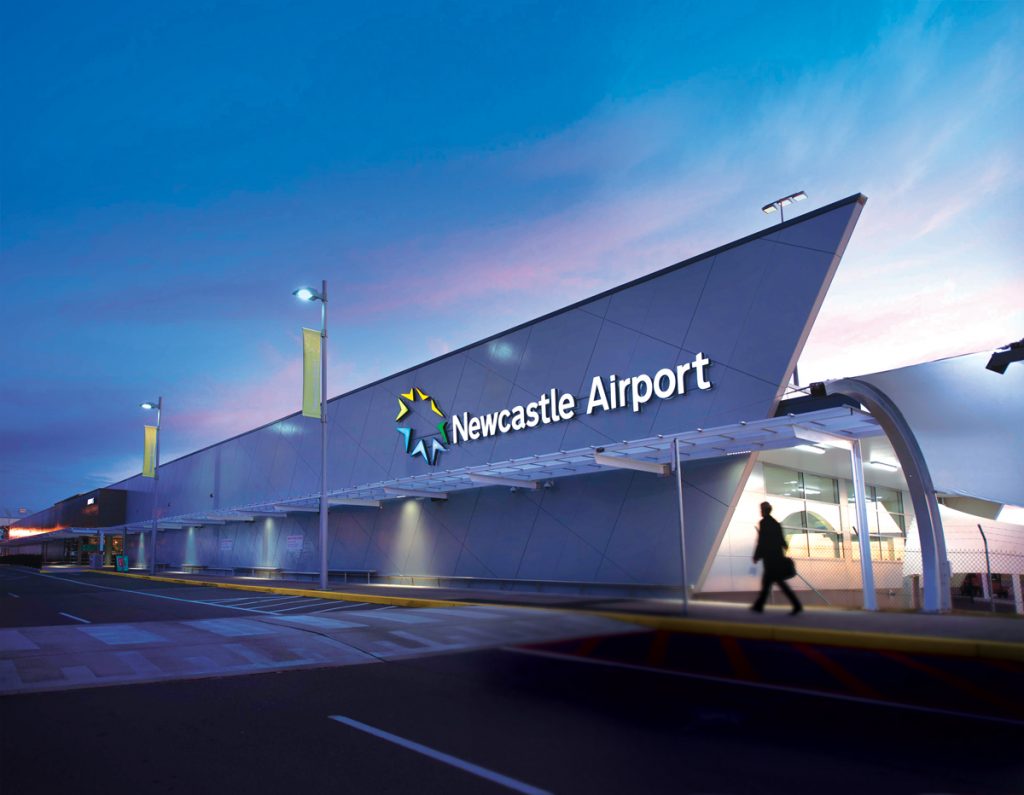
(1001, 358)
(785, 201)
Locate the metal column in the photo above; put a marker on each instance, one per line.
(323, 436)
(863, 531)
(682, 525)
(156, 484)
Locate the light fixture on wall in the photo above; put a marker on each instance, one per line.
(1001, 358)
(811, 448)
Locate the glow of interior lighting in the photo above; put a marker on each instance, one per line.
(810, 448)
(883, 465)
(1013, 514)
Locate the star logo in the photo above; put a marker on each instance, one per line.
(420, 447)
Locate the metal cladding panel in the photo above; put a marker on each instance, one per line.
(968, 421)
(748, 307)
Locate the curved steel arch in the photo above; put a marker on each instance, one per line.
(934, 568)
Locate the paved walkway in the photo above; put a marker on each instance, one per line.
(1001, 636)
(35, 659)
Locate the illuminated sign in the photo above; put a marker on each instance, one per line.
(420, 447)
(606, 394)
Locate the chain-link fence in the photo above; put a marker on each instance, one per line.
(977, 583)
(979, 580)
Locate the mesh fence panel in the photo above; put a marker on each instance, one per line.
(836, 582)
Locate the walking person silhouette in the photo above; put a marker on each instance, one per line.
(771, 547)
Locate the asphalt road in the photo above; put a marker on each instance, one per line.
(50, 599)
(553, 725)
(644, 713)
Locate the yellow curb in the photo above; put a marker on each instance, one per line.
(398, 601)
(877, 641)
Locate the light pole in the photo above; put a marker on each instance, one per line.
(309, 294)
(158, 407)
(785, 201)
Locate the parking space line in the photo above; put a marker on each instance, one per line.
(148, 593)
(76, 618)
(440, 756)
(272, 602)
(300, 607)
(342, 607)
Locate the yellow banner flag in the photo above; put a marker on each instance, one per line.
(149, 453)
(310, 373)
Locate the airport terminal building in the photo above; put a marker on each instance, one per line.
(545, 457)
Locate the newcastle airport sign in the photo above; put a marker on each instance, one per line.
(606, 394)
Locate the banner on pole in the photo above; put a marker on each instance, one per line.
(149, 453)
(310, 373)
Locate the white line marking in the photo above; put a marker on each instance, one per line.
(263, 602)
(763, 686)
(440, 756)
(154, 595)
(76, 618)
(343, 607)
(312, 603)
(14, 595)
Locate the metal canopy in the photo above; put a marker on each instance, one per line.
(654, 454)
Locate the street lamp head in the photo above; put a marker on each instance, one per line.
(785, 201)
(308, 294)
(148, 405)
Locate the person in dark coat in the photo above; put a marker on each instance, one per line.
(771, 548)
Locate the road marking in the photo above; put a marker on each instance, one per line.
(440, 756)
(838, 671)
(154, 595)
(342, 607)
(725, 680)
(14, 595)
(264, 602)
(950, 679)
(312, 603)
(741, 665)
(76, 618)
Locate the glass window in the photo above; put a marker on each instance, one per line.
(810, 526)
(784, 482)
(820, 489)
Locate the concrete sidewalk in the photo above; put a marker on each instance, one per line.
(41, 658)
(999, 637)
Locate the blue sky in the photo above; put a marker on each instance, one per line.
(170, 172)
